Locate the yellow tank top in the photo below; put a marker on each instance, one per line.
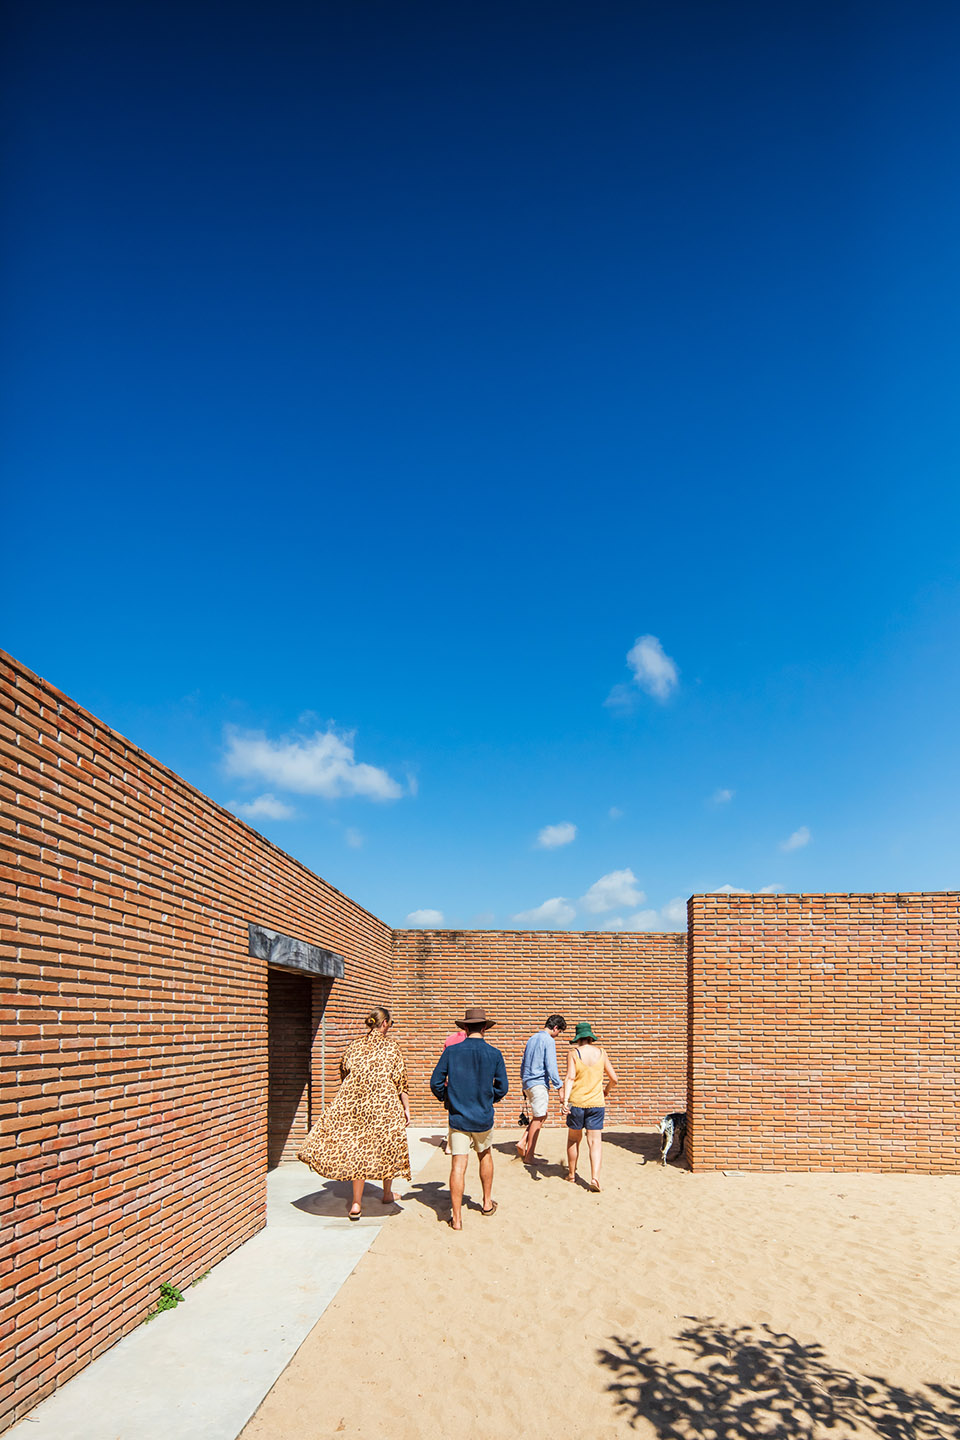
(587, 1089)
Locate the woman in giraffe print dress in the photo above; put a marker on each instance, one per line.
(363, 1133)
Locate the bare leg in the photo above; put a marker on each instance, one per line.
(458, 1170)
(388, 1197)
(533, 1135)
(486, 1176)
(357, 1196)
(595, 1147)
(573, 1151)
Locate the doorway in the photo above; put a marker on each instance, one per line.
(289, 1043)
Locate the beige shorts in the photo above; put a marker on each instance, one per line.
(538, 1098)
(461, 1142)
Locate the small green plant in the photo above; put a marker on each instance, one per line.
(200, 1277)
(170, 1298)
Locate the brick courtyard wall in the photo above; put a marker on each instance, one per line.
(824, 1032)
(134, 1030)
(631, 986)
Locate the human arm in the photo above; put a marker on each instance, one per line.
(571, 1075)
(399, 1075)
(438, 1080)
(553, 1074)
(500, 1082)
(609, 1074)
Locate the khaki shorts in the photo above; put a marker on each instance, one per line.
(538, 1098)
(461, 1142)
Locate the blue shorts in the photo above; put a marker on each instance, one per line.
(588, 1117)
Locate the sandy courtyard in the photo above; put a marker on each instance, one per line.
(674, 1305)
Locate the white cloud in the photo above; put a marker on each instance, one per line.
(736, 890)
(644, 920)
(653, 670)
(551, 837)
(552, 914)
(797, 840)
(265, 807)
(353, 838)
(425, 919)
(318, 764)
(722, 797)
(610, 891)
(615, 812)
(675, 911)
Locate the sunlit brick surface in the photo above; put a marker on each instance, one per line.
(824, 1032)
(134, 1032)
(631, 987)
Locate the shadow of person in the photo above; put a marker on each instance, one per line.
(334, 1200)
(748, 1381)
(433, 1194)
(433, 1139)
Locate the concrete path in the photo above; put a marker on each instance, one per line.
(199, 1372)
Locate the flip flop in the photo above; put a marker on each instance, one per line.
(351, 1216)
(491, 1211)
(595, 1186)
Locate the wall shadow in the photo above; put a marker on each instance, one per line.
(645, 1147)
(748, 1381)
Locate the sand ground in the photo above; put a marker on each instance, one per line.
(708, 1306)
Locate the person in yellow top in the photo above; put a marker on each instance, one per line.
(590, 1077)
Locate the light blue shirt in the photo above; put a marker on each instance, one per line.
(539, 1064)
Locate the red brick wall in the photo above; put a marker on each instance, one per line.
(134, 1034)
(632, 987)
(824, 1032)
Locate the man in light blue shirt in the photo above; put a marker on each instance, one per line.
(538, 1071)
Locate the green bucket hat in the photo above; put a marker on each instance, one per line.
(584, 1031)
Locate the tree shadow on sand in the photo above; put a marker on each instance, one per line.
(745, 1381)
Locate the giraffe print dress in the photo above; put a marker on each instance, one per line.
(362, 1134)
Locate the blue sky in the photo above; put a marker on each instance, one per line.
(376, 377)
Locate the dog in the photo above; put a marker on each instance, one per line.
(674, 1127)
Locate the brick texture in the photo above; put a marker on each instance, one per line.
(632, 987)
(133, 1099)
(823, 1032)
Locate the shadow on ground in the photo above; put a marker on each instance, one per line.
(745, 1381)
(333, 1201)
(645, 1147)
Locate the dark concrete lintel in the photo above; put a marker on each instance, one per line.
(286, 953)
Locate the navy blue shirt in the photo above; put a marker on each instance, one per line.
(469, 1079)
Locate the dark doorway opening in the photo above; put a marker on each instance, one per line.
(289, 1043)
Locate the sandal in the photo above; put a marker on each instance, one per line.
(595, 1186)
(491, 1211)
(351, 1216)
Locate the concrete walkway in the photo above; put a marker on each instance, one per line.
(199, 1372)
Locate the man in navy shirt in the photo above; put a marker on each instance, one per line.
(469, 1079)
